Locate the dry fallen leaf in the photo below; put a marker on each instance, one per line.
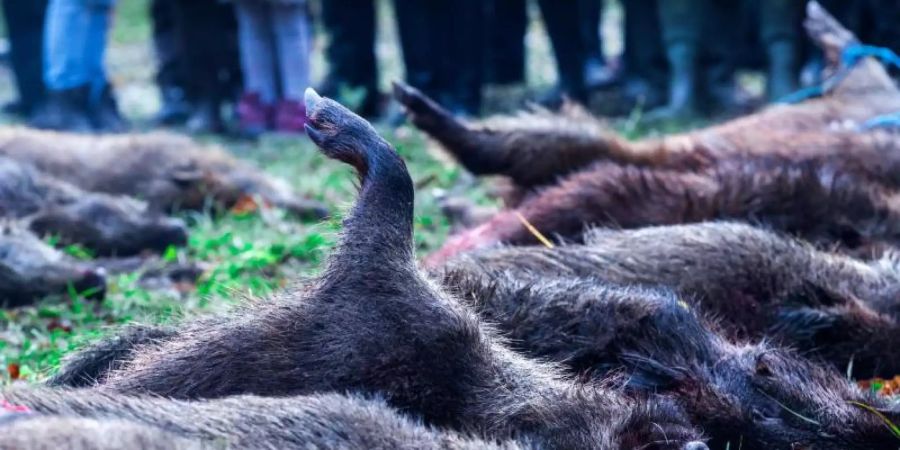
(13, 370)
(882, 386)
(247, 204)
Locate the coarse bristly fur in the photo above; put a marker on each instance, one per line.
(753, 396)
(168, 171)
(799, 168)
(756, 282)
(84, 419)
(373, 324)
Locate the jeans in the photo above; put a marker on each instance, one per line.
(274, 44)
(24, 21)
(75, 44)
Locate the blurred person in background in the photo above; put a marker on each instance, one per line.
(199, 71)
(25, 25)
(171, 73)
(506, 26)
(702, 69)
(645, 71)
(274, 38)
(574, 30)
(79, 96)
(443, 50)
(352, 66)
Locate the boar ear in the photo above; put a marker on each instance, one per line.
(651, 375)
(186, 176)
(804, 324)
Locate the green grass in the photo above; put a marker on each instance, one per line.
(132, 24)
(245, 255)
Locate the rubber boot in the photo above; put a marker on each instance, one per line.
(596, 73)
(682, 23)
(722, 94)
(561, 20)
(254, 116)
(206, 116)
(175, 108)
(646, 71)
(684, 81)
(65, 110)
(781, 31)
(24, 25)
(105, 115)
(507, 23)
(351, 52)
(461, 70)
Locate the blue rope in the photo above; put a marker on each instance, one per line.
(891, 120)
(856, 52)
(802, 94)
(850, 57)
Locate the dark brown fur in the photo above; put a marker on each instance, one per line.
(373, 324)
(91, 420)
(753, 396)
(814, 202)
(168, 171)
(757, 282)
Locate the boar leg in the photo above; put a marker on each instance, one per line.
(90, 365)
(532, 148)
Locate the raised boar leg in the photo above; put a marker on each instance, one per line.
(533, 148)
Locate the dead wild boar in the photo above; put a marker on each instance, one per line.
(374, 325)
(794, 167)
(84, 419)
(816, 203)
(757, 283)
(537, 148)
(30, 269)
(105, 224)
(167, 171)
(750, 396)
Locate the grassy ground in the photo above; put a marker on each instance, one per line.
(245, 254)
